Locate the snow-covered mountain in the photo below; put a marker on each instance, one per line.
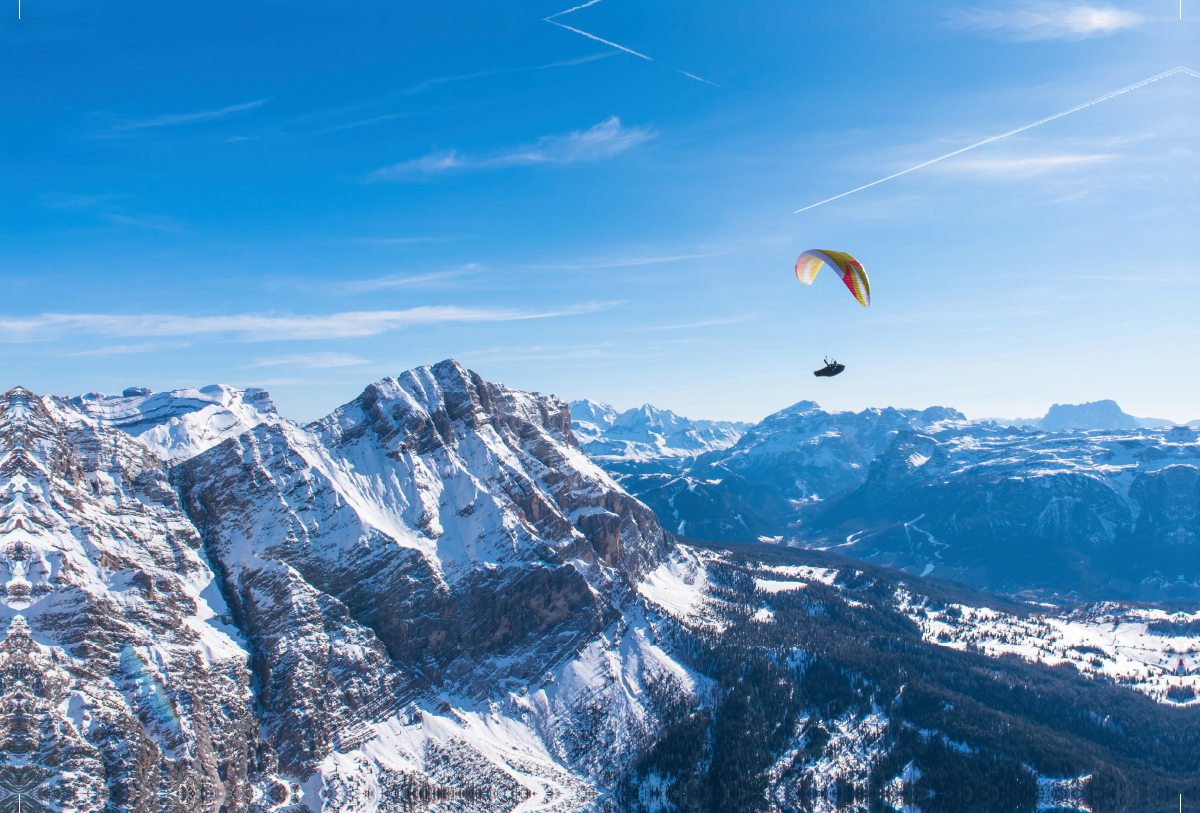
(1111, 513)
(1102, 512)
(433, 599)
(647, 439)
(457, 543)
(429, 593)
(177, 424)
(121, 680)
(1092, 415)
(1084, 417)
(793, 460)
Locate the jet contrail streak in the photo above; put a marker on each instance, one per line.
(629, 50)
(552, 21)
(1142, 83)
(568, 11)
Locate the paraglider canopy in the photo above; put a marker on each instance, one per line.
(851, 271)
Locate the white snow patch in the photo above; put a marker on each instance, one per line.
(772, 586)
(678, 586)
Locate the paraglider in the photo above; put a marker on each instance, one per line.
(830, 369)
(853, 276)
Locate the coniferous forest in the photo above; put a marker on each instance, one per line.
(964, 731)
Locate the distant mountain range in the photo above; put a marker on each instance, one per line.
(626, 440)
(1089, 504)
(1092, 415)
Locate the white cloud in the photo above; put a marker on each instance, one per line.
(319, 361)
(120, 349)
(709, 323)
(394, 281)
(266, 326)
(628, 261)
(440, 80)
(1047, 20)
(606, 139)
(1024, 167)
(171, 119)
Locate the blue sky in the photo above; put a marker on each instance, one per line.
(311, 196)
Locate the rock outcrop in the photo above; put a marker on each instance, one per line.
(437, 535)
(121, 687)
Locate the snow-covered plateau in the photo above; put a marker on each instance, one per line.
(434, 598)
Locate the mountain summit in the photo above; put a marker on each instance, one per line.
(1092, 415)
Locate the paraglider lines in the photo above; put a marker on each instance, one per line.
(1135, 86)
(552, 21)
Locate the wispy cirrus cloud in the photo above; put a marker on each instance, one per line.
(397, 281)
(630, 261)
(261, 327)
(104, 206)
(604, 140)
(174, 119)
(421, 87)
(1046, 20)
(732, 320)
(1128, 88)
(155, 222)
(119, 349)
(1022, 167)
(319, 361)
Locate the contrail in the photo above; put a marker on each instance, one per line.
(568, 11)
(552, 21)
(1142, 83)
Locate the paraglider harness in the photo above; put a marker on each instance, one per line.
(830, 369)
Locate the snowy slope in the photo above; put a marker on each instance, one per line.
(176, 425)
(1153, 651)
(469, 557)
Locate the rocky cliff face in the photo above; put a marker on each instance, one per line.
(428, 595)
(437, 537)
(120, 686)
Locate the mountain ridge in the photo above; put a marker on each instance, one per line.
(433, 597)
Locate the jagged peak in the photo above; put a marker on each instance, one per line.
(419, 409)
